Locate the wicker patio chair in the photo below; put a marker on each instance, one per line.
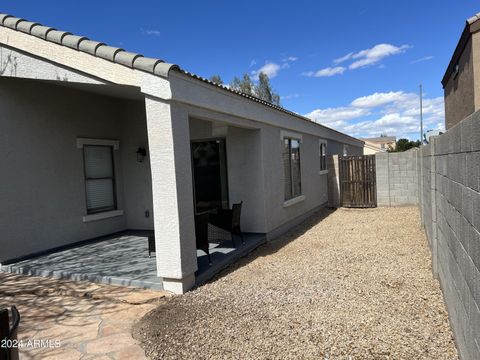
(201, 234)
(229, 220)
(151, 244)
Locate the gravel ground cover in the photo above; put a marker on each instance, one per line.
(346, 284)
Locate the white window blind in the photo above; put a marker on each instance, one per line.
(291, 161)
(99, 178)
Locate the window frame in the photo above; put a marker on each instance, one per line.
(323, 156)
(115, 145)
(295, 198)
(112, 178)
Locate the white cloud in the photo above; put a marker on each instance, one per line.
(377, 99)
(394, 113)
(271, 69)
(289, 96)
(343, 58)
(290, 59)
(329, 115)
(150, 32)
(425, 58)
(360, 59)
(375, 54)
(327, 72)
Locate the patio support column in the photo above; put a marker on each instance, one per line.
(169, 145)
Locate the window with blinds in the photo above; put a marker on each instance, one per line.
(291, 163)
(99, 178)
(323, 156)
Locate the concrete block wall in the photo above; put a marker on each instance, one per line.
(449, 173)
(397, 178)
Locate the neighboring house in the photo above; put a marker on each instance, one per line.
(430, 133)
(370, 148)
(461, 82)
(384, 142)
(96, 140)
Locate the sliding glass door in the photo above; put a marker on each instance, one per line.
(209, 163)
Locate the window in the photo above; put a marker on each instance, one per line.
(99, 178)
(345, 150)
(291, 162)
(323, 155)
(456, 70)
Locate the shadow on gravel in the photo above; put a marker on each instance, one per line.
(272, 246)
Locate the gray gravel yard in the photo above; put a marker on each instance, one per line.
(346, 284)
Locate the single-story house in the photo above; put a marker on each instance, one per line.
(96, 140)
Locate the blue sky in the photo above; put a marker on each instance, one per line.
(351, 65)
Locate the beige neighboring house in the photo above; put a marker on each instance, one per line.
(96, 140)
(379, 144)
(461, 82)
(371, 148)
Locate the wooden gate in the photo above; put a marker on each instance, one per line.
(358, 181)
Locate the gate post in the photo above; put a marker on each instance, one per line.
(333, 181)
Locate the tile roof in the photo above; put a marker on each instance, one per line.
(95, 48)
(122, 57)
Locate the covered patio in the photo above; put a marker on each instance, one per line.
(112, 246)
(123, 259)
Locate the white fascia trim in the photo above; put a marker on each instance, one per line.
(292, 135)
(103, 142)
(294, 201)
(103, 215)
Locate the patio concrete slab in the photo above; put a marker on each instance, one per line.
(123, 260)
(120, 260)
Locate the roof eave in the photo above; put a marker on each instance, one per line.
(472, 25)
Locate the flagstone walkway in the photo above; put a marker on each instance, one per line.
(80, 320)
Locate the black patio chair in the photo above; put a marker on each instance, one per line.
(229, 220)
(201, 234)
(151, 244)
(8, 334)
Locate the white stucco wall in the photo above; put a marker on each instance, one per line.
(314, 185)
(137, 180)
(42, 192)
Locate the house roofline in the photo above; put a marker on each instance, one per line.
(472, 25)
(131, 60)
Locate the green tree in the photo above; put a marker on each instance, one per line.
(244, 85)
(405, 144)
(264, 90)
(216, 79)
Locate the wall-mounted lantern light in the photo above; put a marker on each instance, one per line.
(141, 154)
